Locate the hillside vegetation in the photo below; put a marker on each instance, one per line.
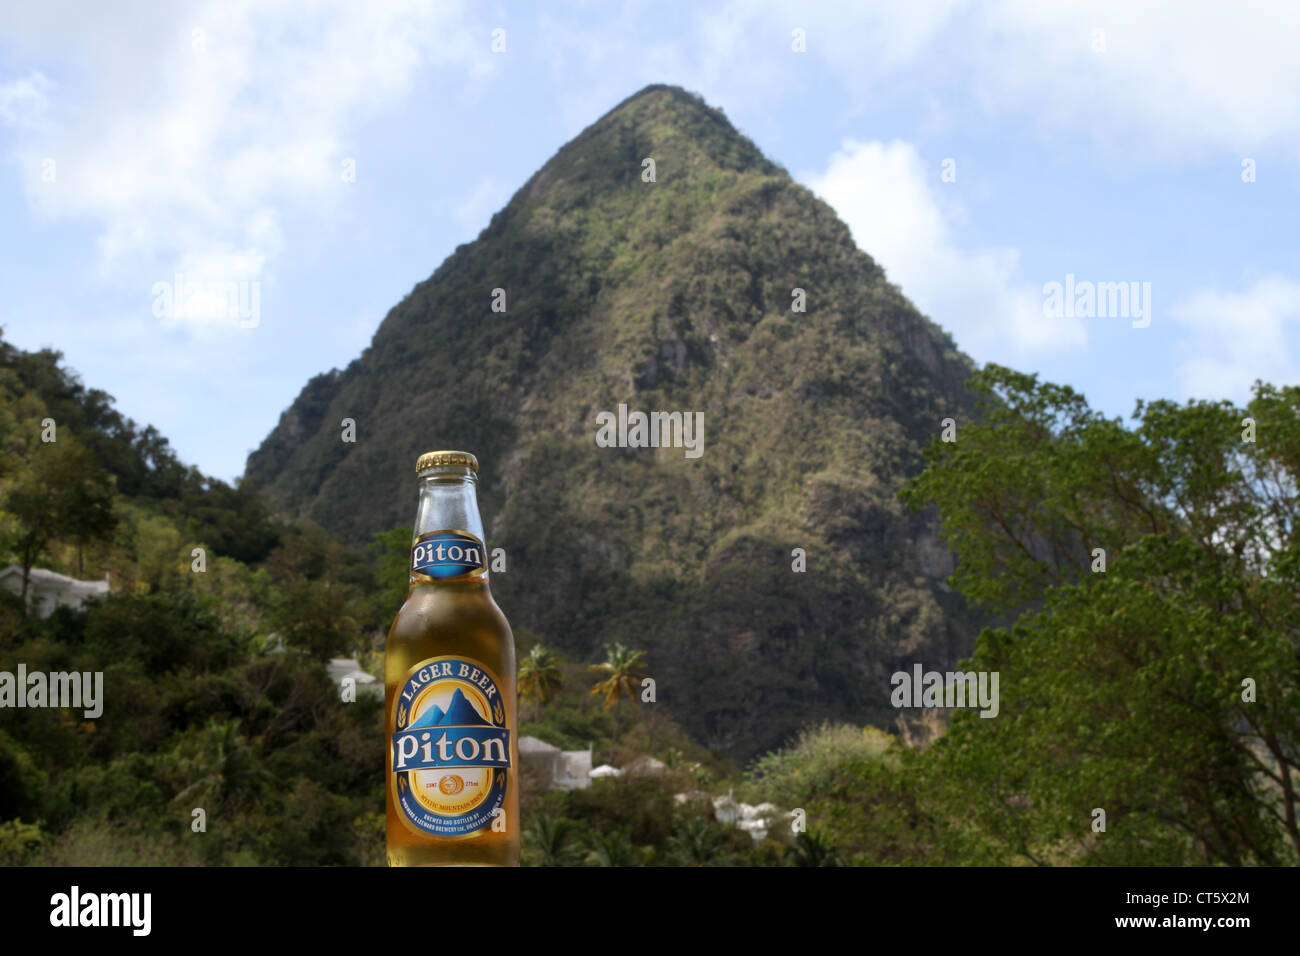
(215, 694)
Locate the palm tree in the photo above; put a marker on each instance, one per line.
(548, 838)
(218, 766)
(540, 679)
(621, 665)
(812, 849)
(611, 849)
(697, 842)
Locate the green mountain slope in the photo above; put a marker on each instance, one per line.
(673, 295)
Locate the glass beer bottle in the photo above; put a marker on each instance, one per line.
(449, 676)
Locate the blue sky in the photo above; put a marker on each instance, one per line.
(213, 140)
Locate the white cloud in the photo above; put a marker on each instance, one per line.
(23, 102)
(188, 134)
(1176, 81)
(889, 199)
(1233, 338)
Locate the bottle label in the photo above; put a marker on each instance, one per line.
(451, 752)
(447, 554)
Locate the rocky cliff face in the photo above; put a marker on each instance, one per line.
(673, 295)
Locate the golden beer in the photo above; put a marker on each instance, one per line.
(449, 676)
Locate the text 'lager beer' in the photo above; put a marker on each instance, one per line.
(449, 675)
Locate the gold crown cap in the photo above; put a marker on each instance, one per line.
(432, 459)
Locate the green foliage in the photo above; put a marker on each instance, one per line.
(549, 841)
(320, 617)
(233, 521)
(216, 768)
(540, 676)
(390, 554)
(140, 460)
(95, 843)
(612, 849)
(22, 784)
(813, 849)
(204, 706)
(696, 842)
(621, 668)
(791, 776)
(642, 807)
(1126, 687)
(126, 787)
(862, 795)
(320, 605)
(314, 828)
(161, 632)
(18, 841)
(61, 492)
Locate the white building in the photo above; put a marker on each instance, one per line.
(342, 668)
(47, 590)
(574, 770)
(725, 810)
(559, 769)
(646, 766)
(754, 820)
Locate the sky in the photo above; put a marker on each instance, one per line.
(1001, 160)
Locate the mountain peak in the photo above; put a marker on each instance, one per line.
(687, 140)
(718, 290)
(665, 93)
(663, 103)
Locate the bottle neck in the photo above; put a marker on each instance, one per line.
(448, 504)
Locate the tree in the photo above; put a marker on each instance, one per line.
(161, 561)
(63, 492)
(217, 766)
(234, 521)
(612, 849)
(550, 840)
(621, 666)
(540, 679)
(319, 616)
(813, 849)
(390, 554)
(697, 841)
(1153, 670)
(319, 603)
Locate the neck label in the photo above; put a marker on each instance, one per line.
(447, 554)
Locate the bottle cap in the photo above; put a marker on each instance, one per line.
(432, 459)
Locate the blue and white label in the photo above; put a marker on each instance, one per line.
(447, 554)
(450, 755)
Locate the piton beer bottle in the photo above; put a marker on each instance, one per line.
(449, 675)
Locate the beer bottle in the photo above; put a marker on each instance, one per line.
(449, 675)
